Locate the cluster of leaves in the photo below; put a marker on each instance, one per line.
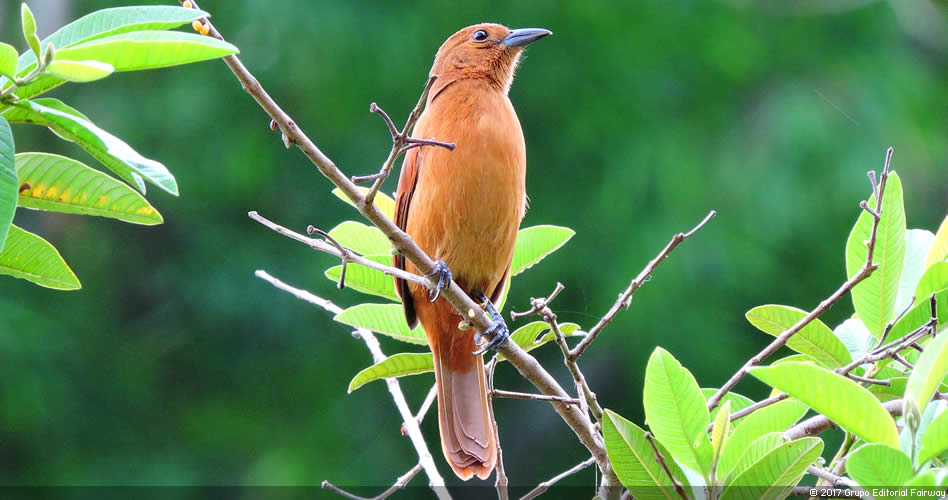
(533, 245)
(752, 457)
(88, 49)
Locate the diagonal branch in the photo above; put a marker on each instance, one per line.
(545, 485)
(525, 364)
(409, 422)
(400, 483)
(867, 268)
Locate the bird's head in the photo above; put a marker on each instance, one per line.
(488, 51)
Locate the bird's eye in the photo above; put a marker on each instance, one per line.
(480, 35)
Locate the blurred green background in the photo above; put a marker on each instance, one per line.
(175, 365)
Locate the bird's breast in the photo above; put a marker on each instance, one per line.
(468, 204)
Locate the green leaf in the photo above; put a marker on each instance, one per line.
(141, 50)
(777, 417)
(79, 71)
(535, 243)
(737, 401)
(879, 465)
(815, 339)
(113, 21)
(105, 147)
(934, 439)
(930, 369)
(29, 29)
(935, 279)
(855, 337)
(8, 57)
(676, 411)
(757, 450)
(8, 185)
(719, 433)
(843, 401)
(367, 280)
(60, 184)
(366, 240)
(919, 314)
(383, 202)
(874, 298)
(774, 475)
(917, 244)
(396, 365)
(531, 335)
(386, 319)
(895, 389)
(939, 250)
(930, 479)
(27, 256)
(634, 460)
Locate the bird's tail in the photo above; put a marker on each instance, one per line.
(464, 413)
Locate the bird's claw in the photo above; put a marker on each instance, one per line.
(444, 278)
(498, 328)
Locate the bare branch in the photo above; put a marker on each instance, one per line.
(400, 483)
(626, 296)
(538, 304)
(343, 251)
(833, 479)
(497, 393)
(867, 269)
(500, 481)
(410, 425)
(545, 485)
(816, 425)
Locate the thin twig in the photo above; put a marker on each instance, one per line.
(346, 254)
(867, 269)
(888, 328)
(867, 380)
(545, 485)
(832, 479)
(497, 393)
(525, 364)
(626, 296)
(500, 478)
(400, 483)
(409, 424)
(661, 460)
(538, 304)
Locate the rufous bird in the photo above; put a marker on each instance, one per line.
(463, 208)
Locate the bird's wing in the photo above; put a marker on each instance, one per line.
(406, 188)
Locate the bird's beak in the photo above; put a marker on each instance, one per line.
(524, 36)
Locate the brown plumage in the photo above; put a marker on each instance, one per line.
(464, 208)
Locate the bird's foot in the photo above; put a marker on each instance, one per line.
(444, 278)
(498, 329)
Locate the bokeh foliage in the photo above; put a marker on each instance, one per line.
(174, 365)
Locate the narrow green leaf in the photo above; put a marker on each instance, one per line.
(815, 339)
(383, 202)
(139, 50)
(774, 475)
(27, 256)
(757, 450)
(676, 411)
(879, 465)
(79, 71)
(855, 337)
(386, 319)
(719, 433)
(935, 279)
(917, 244)
(737, 401)
(367, 280)
(396, 365)
(874, 298)
(930, 369)
(8, 185)
(60, 184)
(634, 460)
(8, 57)
(113, 21)
(939, 250)
(934, 439)
(105, 147)
(845, 402)
(777, 417)
(29, 29)
(535, 243)
(366, 240)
